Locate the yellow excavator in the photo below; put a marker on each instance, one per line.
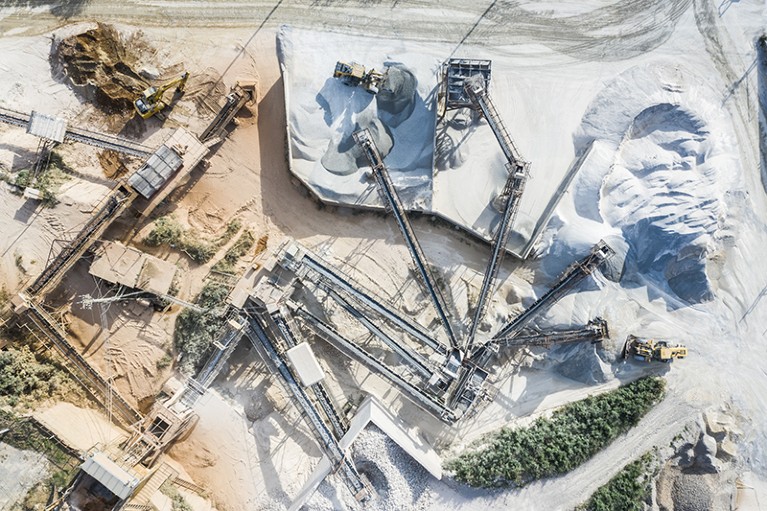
(151, 102)
(649, 350)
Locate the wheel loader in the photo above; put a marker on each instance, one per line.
(648, 350)
(353, 74)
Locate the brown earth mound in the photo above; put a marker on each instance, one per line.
(99, 67)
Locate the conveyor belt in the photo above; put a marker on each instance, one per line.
(351, 350)
(322, 275)
(413, 359)
(513, 189)
(262, 342)
(570, 277)
(94, 382)
(101, 140)
(393, 202)
(235, 100)
(595, 331)
(111, 207)
(479, 96)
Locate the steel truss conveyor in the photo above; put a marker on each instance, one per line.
(595, 331)
(512, 192)
(280, 318)
(111, 207)
(311, 267)
(423, 399)
(569, 278)
(91, 379)
(263, 343)
(392, 201)
(100, 140)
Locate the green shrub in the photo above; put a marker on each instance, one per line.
(627, 491)
(24, 379)
(557, 445)
(178, 502)
(195, 331)
(166, 231)
(240, 248)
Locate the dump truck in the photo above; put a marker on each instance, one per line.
(151, 100)
(648, 350)
(354, 74)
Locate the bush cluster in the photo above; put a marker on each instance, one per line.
(240, 248)
(557, 445)
(167, 231)
(627, 491)
(23, 378)
(195, 331)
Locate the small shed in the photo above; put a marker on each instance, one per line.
(113, 477)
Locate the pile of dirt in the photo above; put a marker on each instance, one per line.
(99, 67)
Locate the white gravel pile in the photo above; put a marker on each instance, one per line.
(400, 482)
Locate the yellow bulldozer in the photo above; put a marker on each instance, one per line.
(648, 350)
(151, 100)
(353, 74)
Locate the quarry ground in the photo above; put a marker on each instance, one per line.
(250, 448)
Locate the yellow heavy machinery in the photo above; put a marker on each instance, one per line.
(649, 350)
(353, 74)
(151, 100)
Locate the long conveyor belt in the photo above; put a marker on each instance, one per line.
(393, 202)
(570, 277)
(115, 202)
(595, 331)
(514, 188)
(351, 350)
(93, 138)
(262, 342)
(279, 317)
(95, 383)
(413, 359)
(323, 275)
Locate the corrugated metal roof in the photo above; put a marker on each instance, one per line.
(47, 126)
(156, 171)
(114, 478)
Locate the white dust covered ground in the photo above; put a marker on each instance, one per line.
(659, 107)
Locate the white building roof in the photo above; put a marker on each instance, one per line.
(114, 478)
(47, 126)
(305, 363)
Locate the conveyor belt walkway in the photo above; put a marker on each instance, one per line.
(96, 384)
(93, 138)
(426, 401)
(569, 278)
(263, 343)
(515, 185)
(392, 201)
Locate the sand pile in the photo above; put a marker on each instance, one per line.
(100, 68)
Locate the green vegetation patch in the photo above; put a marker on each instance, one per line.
(241, 247)
(167, 231)
(178, 502)
(627, 491)
(195, 331)
(549, 447)
(25, 379)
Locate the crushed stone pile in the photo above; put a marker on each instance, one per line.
(400, 482)
(99, 66)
